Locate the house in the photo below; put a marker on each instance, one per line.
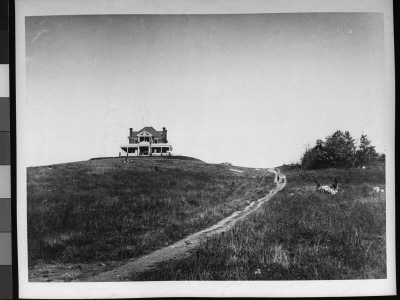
(147, 142)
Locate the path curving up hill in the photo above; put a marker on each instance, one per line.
(181, 247)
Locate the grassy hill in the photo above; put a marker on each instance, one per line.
(299, 235)
(107, 210)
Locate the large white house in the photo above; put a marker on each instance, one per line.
(147, 142)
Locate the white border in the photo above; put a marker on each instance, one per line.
(203, 288)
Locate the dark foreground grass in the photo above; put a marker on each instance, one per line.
(298, 235)
(106, 210)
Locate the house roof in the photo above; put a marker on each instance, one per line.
(150, 130)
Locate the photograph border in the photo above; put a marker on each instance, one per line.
(312, 288)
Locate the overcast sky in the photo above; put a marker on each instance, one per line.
(249, 89)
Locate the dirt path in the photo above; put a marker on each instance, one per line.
(180, 248)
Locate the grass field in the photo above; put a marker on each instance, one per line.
(299, 235)
(106, 210)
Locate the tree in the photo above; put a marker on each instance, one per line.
(340, 149)
(366, 152)
(314, 158)
(350, 150)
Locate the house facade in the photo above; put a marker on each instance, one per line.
(147, 142)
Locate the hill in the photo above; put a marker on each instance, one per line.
(175, 157)
(107, 210)
(299, 235)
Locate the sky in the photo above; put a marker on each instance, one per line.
(250, 89)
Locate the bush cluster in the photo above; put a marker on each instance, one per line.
(340, 150)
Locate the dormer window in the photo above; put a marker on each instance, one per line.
(144, 136)
(144, 139)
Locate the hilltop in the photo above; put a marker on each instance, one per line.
(175, 157)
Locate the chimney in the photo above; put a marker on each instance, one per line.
(130, 131)
(165, 134)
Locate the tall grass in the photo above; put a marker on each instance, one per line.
(298, 235)
(107, 210)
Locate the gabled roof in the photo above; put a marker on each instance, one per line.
(151, 130)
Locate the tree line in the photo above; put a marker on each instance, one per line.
(340, 150)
